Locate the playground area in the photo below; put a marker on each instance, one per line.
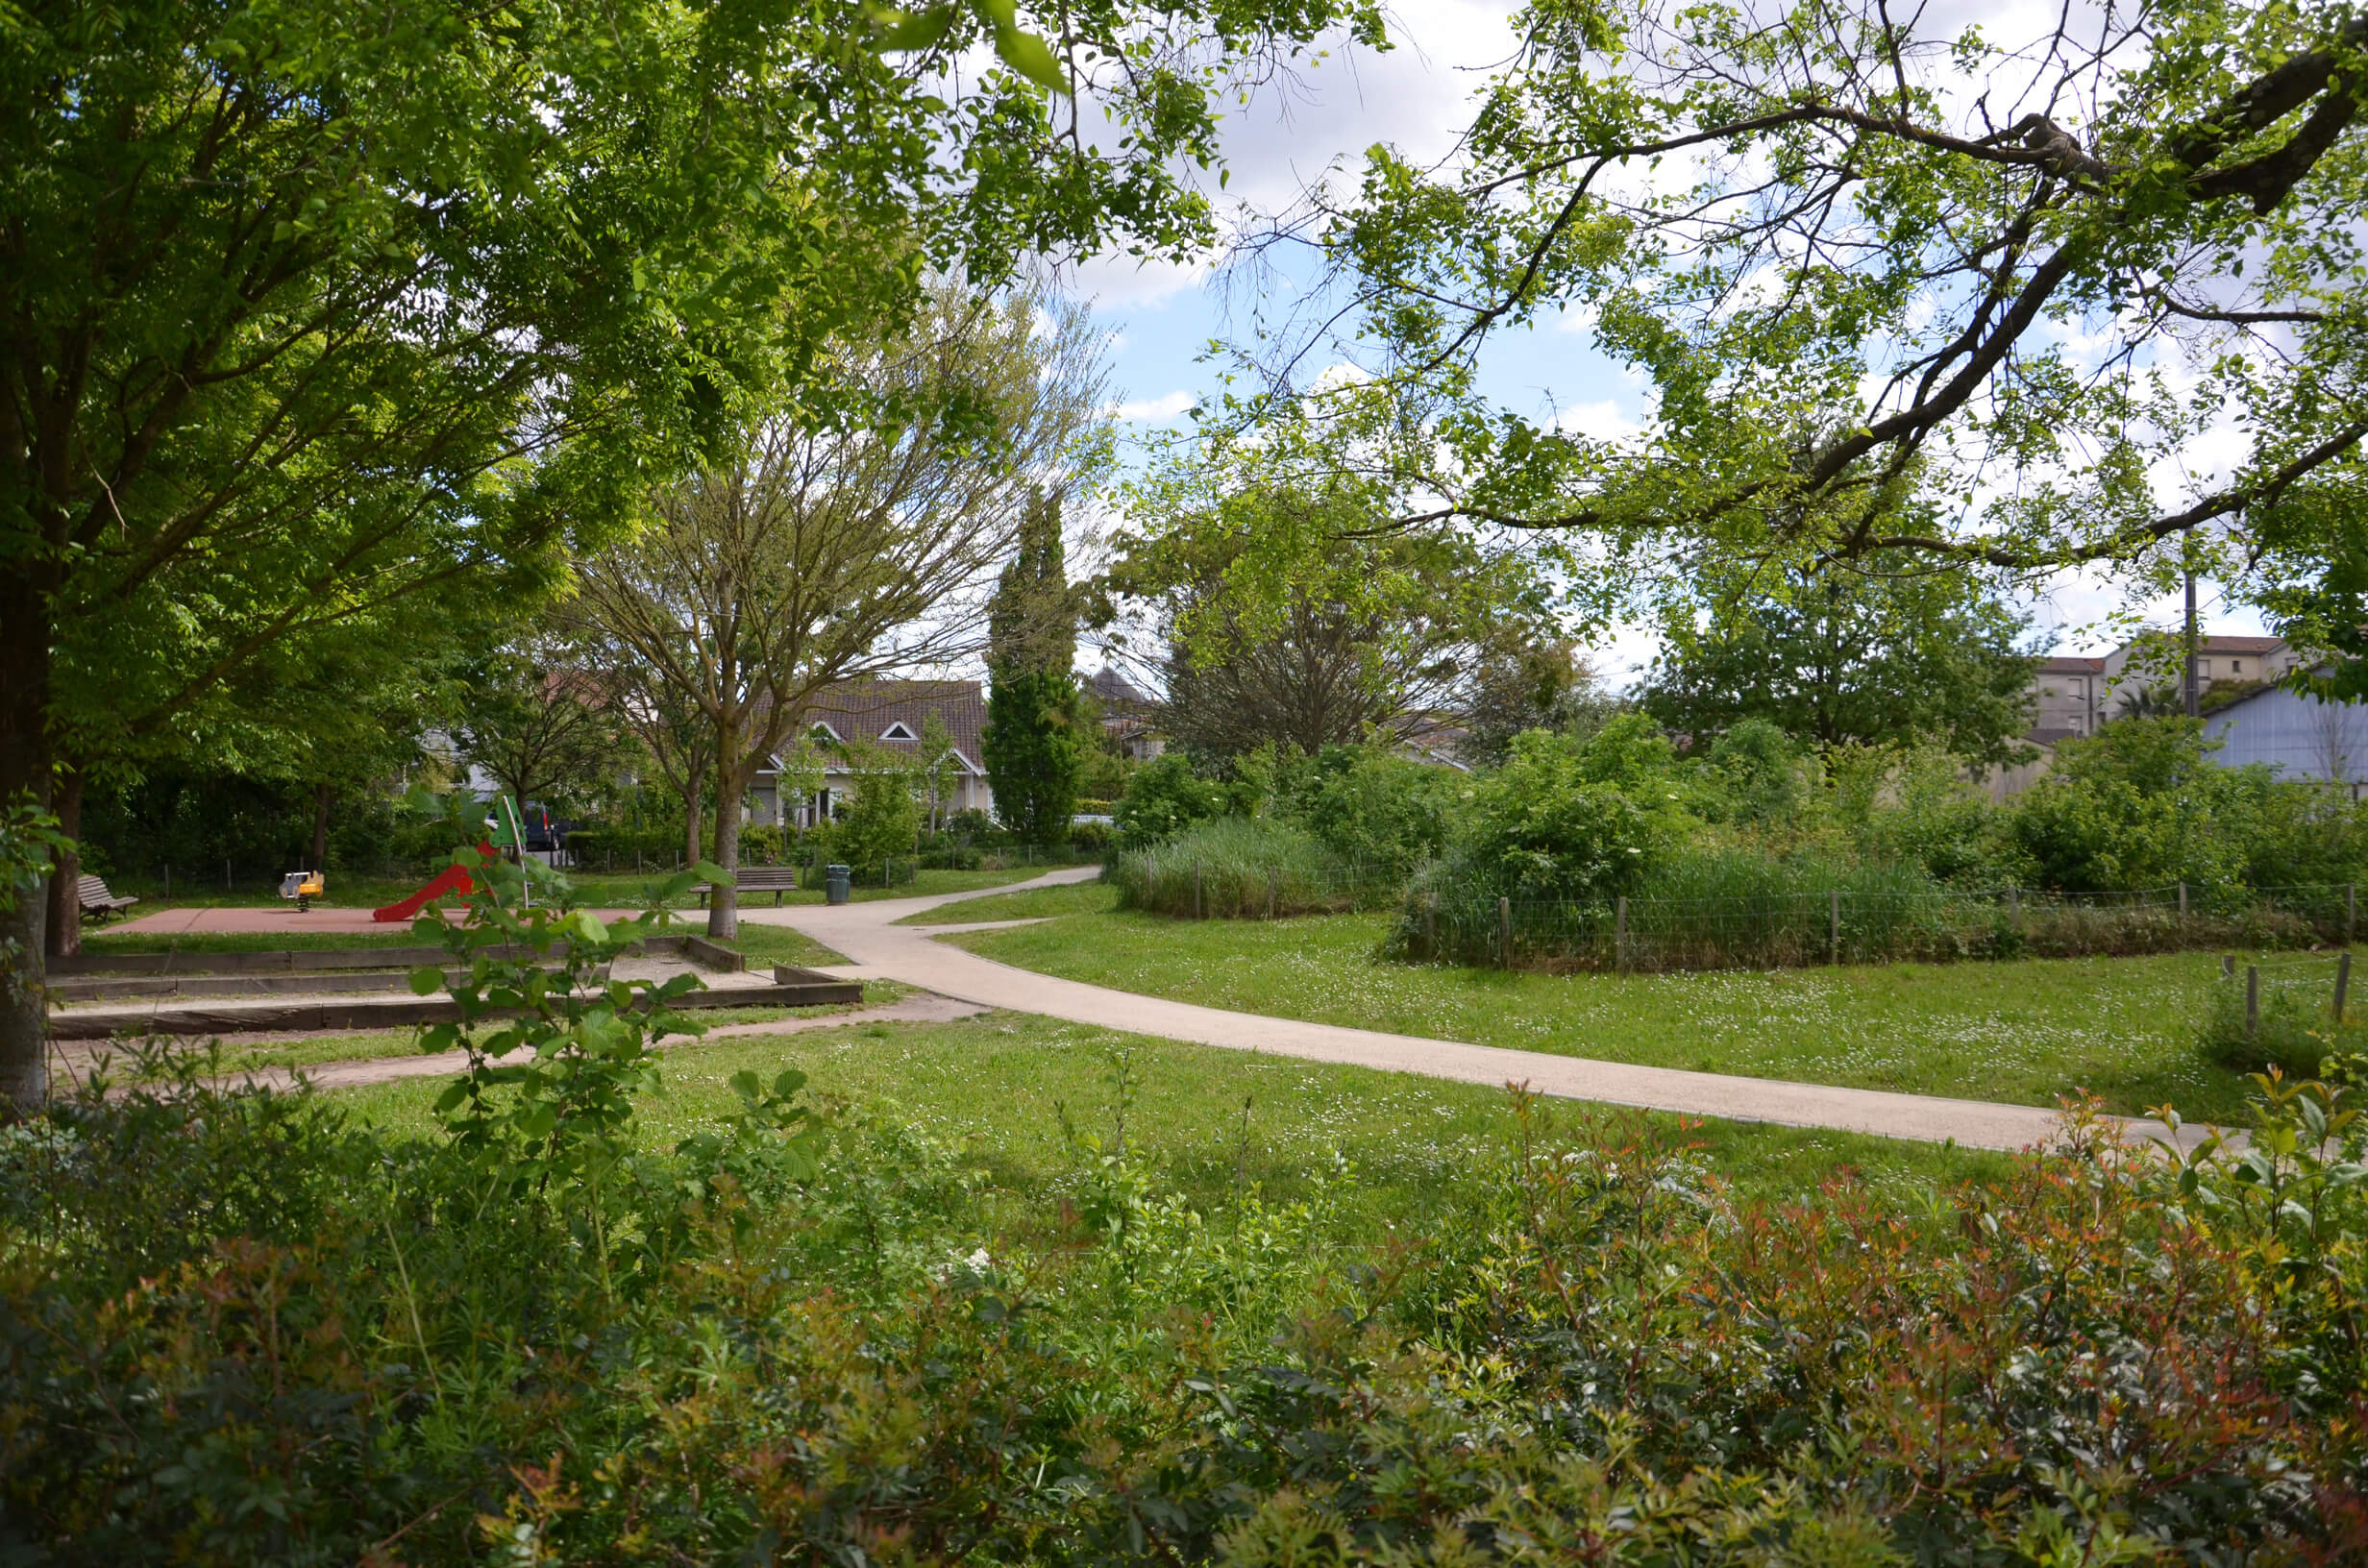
(250, 920)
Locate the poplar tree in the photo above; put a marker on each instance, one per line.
(1035, 736)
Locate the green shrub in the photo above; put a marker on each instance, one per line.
(1590, 1353)
(1756, 771)
(881, 825)
(1373, 808)
(1569, 821)
(2140, 805)
(1163, 798)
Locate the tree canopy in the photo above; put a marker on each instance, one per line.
(819, 554)
(1850, 656)
(311, 310)
(2096, 282)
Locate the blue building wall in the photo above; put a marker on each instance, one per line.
(2301, 736)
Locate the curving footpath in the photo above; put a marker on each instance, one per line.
(866, 934)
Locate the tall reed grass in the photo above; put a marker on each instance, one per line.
(1733, 909)
(1241, 867)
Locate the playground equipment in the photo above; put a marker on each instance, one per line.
(455, 879)
(503, 830)
(302, 887)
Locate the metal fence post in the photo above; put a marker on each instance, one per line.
(1201, 897)
(2253, 1001)
(2343, 982)
(1430, 927)
(1504, 929)
(1274, 897)
(1833, 921)
(2015, 907)
(2351, 909)
(2228, 966)
(2182, 900)
(1619, 933)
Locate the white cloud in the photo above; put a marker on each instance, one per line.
(1601, 420)
(1154, 409)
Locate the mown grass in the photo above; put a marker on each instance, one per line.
(764, 945)
(246, 1055)
(2026, 1032)
(1210, 1124)
(1036, 903)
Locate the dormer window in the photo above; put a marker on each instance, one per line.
(898, 732)
(822, 733)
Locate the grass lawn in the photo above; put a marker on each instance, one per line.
(2024, 1032)
(765, 945)
(1076, 899)
(369, 1044)
(1210, 1122)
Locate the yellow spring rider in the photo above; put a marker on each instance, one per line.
(304, 887)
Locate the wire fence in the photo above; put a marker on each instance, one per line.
(2289, 1014)
(1857, 926)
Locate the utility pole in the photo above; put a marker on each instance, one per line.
(2193, 696)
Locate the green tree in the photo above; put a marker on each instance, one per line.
(1379, 636)
(1842, 239)
(538, 720)
(1844, 656)
(1035, 736)
(820, 556)
(311, 310)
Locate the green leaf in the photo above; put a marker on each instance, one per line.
(427, 982)
(454, 1093)
(1030, 56)
(744, 1084)
(926, 30)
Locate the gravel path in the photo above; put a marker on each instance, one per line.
(866, 933)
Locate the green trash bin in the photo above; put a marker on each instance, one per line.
(835, 882)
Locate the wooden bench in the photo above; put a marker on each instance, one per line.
(96, 900)
(775, 880)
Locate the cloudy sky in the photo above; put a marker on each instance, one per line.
(1417, 96)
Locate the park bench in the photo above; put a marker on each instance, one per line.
(96, 900)
(775, 880)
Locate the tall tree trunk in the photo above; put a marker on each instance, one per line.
(64, 937)
(25, 760)
(732, 773)
(320, 829)
(694, 836)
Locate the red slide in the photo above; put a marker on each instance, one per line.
(455, 879)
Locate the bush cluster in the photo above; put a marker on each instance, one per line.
(238, 1328)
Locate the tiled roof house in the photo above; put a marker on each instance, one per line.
(891, 713)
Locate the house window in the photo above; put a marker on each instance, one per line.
(898, 732)
(2236, 667)
(822, 733)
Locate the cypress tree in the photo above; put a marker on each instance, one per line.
(1034, 740)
